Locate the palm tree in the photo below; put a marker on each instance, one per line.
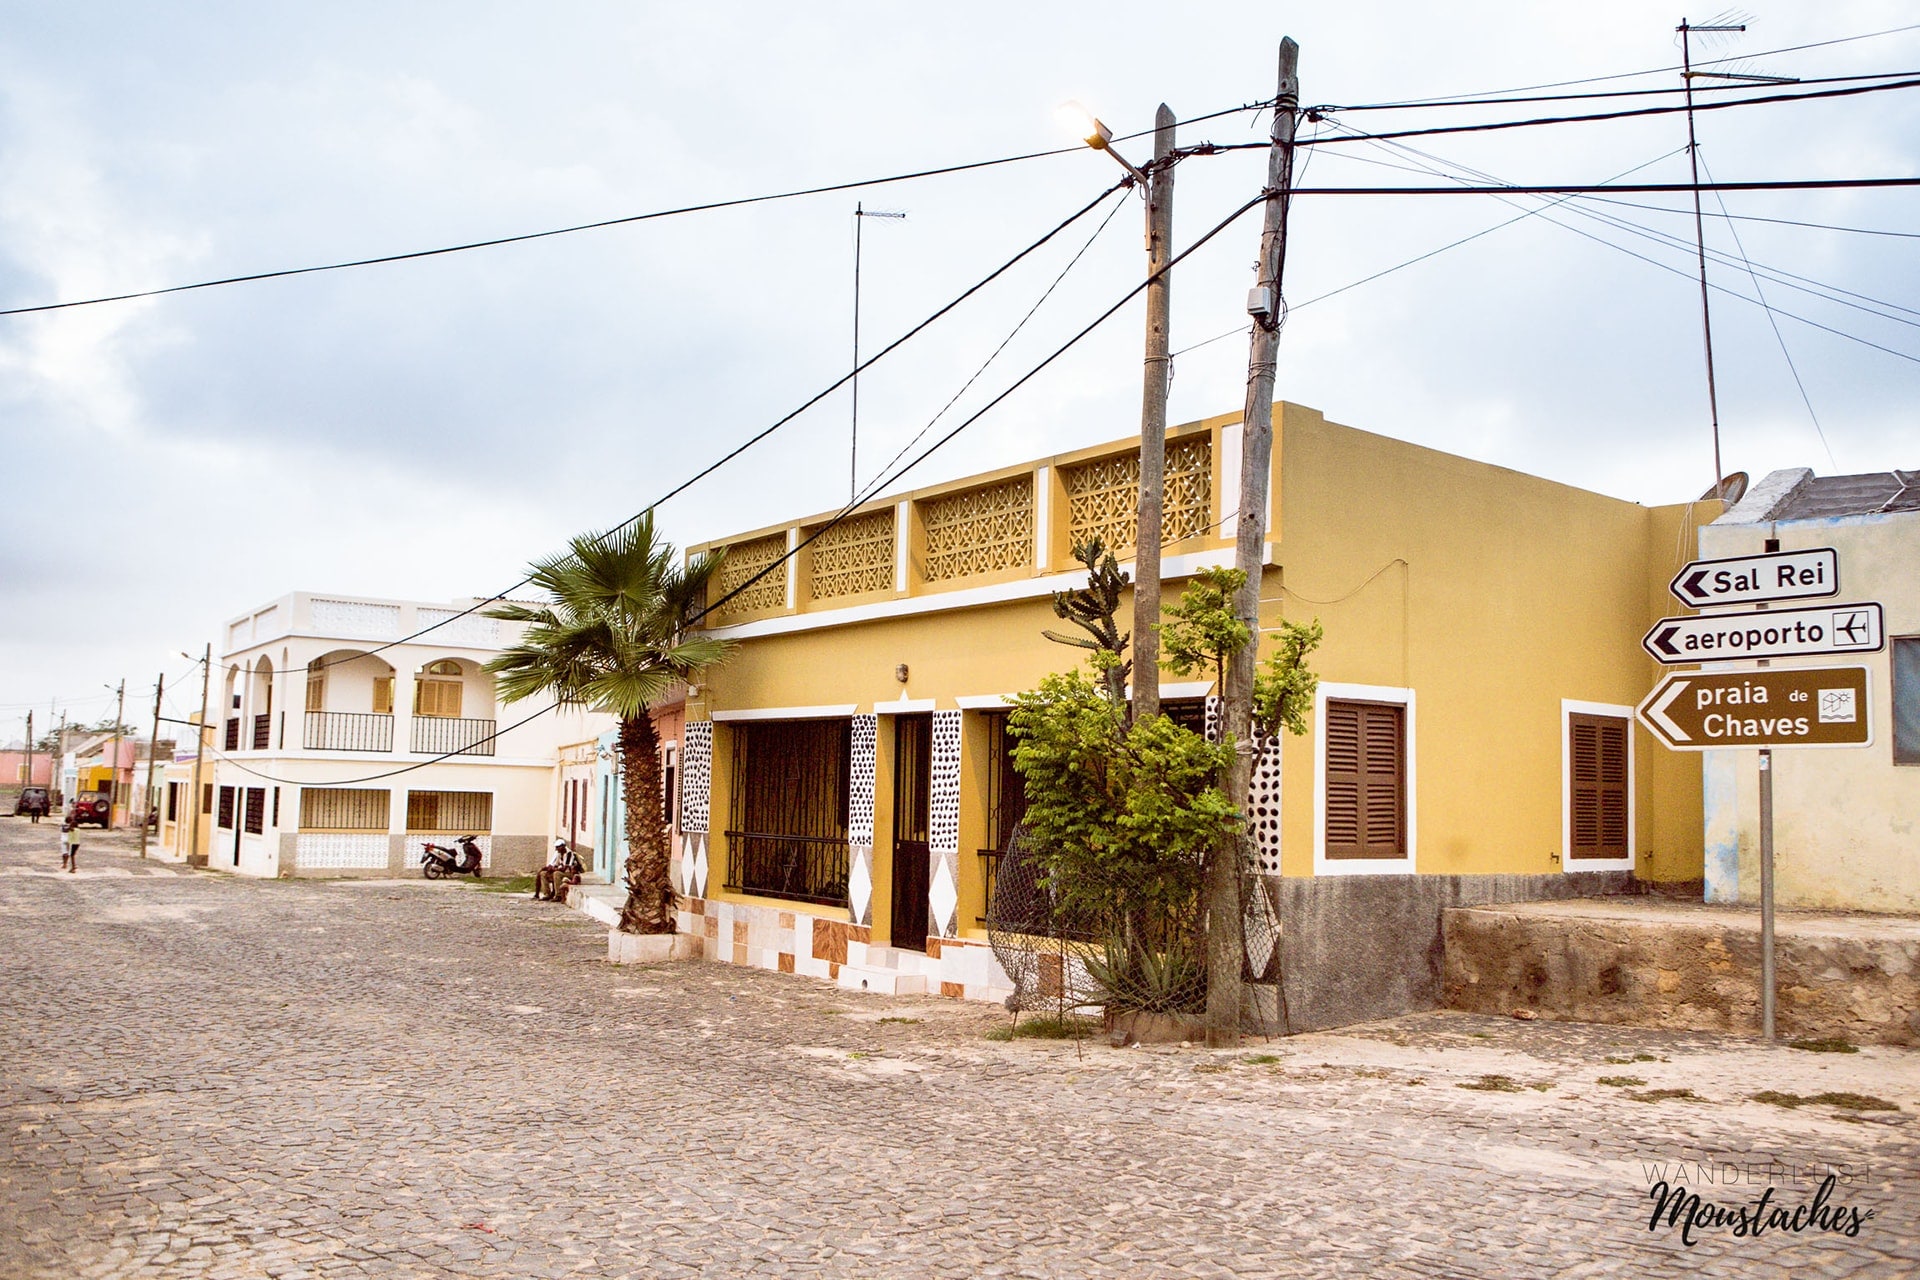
(614, 637)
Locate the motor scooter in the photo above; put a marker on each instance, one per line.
(436, 860)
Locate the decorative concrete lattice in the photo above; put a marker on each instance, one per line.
(450, 626)
(355, 618)
(743, 560)
(696, 775)
(981, 530)
(416, 849)
(860, 784)
(854, 556)
(943, 827)
(1103, 496)
(1265, 804)
(340, 852)
(860, 775)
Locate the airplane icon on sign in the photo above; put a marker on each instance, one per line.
(1853, 628)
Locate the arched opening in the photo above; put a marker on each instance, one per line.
(452, 708)
(349, 704)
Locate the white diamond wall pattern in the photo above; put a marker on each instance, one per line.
(696, 776)
(860, 783)
(340, 852)
(693, 865)
(943, 835)
(355, 618)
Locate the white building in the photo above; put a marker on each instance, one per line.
(344, 741)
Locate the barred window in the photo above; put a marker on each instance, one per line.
(344, 809)
(256, 810)
(468, 812)
(226, 808)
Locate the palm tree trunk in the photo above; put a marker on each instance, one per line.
(650, 905)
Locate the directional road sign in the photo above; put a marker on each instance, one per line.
(1781, 575)
(1772, 633)
(1777, 707)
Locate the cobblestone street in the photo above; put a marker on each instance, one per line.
(211, 1077)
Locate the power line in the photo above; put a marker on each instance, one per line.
(767, 431)
(1634, 75)
(1661, 188)
(1630, 114)
(1668, 91)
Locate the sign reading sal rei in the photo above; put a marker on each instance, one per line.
(1777, 575)
(1778, 707)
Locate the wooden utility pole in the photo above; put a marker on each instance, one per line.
(56, 773)
(28, 780)
(153, 749)
(199, 754)
(113, 765)
(1153, 422)
(1225, 944)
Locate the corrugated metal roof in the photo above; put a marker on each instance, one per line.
(1852, 495)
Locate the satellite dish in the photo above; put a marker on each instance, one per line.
(1730, 490)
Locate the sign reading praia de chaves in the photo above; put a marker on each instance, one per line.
(1779, 707)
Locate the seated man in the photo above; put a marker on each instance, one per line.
(561, 873)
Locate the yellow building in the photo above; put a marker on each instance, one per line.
(846, 785)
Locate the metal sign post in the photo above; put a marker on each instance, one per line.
(1766, 894)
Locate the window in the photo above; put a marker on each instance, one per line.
(1906, 699)
(256, 810)
(669, 784)
(206, 800)
(436, 690)
(1596, 786)
(173, 800)
(468, 812)
(383, 695)
(789, 814)
(1365, 780)
(344, 809)
(316, 685)
(226, 808)
(276, 806)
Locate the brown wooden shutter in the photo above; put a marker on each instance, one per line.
(1597, 765)
(1366, 780)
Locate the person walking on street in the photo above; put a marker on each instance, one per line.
(69, 846)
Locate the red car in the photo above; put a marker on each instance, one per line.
(92, 807)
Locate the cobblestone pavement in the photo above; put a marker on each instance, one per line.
(209, 1077)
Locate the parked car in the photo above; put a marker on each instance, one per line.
(32, 802)
(94, 807)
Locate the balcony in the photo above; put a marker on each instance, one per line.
(445, 735)
(347, 731)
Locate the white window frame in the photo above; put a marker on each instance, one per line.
(1323, 865)
(1570, 707)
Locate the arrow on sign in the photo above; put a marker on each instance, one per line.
(1657, 713)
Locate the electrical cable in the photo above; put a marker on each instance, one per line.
(653, 215)
(1774, 323)
(767, 431)
(1615, 93)
(878, 483)
(1635, 113)
(1652, 71)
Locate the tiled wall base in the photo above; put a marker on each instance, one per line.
(835, 951)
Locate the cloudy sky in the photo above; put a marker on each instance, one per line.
(422, 429)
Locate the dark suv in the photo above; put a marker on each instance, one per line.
(33, 802)
(92, 806)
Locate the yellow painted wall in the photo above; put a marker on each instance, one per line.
(1491, 593)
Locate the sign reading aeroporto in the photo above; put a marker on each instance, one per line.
(1774, 633)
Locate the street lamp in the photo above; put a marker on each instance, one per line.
(1157, 187)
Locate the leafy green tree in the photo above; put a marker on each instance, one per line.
(1203, 631)
(614, 636)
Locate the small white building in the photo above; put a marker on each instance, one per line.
(347, 734)
(1846, 821)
